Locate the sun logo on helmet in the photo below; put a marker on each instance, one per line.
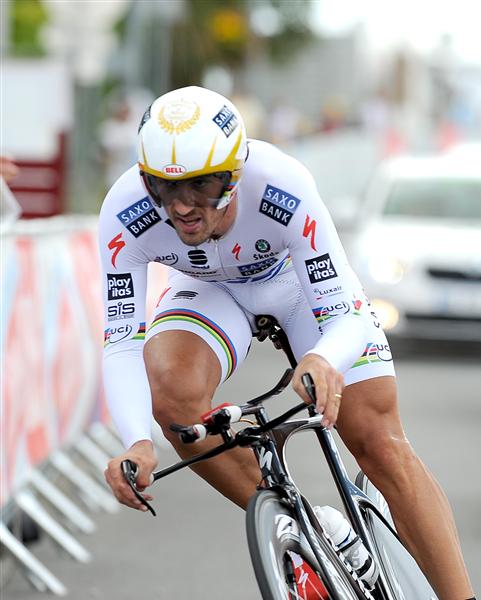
(179, 116)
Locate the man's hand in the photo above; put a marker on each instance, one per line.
(328, 383)
(143, 455)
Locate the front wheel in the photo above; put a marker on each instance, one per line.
(403, 573)
(285, 566)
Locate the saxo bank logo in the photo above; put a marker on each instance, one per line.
(139, 217)
(278, 204)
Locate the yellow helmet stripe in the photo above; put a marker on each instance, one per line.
(231, 163)
(211, 154)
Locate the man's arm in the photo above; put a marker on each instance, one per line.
(335, 296)
(124, 281)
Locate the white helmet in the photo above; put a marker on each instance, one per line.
(191, 132)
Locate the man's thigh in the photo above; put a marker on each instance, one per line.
(206, 311)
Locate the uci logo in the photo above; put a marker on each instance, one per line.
(119, 333)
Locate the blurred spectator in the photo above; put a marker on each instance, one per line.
(333, 114)
(284, 123)
(118, 133)
(375, 114)
(253, 112)
(9, 208)
(117, 141)
(8, 169)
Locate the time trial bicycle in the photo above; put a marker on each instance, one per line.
(282, 526)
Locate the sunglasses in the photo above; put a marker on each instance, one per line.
(203, 191)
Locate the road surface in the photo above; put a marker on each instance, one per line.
(196, 547)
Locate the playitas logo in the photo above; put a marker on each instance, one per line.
(320, 268)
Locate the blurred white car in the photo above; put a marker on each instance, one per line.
(418, 247)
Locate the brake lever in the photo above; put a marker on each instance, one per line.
(308, 384)
(129, 471)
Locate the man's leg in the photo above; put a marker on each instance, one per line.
(370, 426)
(184, 373)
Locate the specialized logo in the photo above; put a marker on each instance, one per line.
(310, 231)
(139, 217)
(185, 295)
(116, 244)
(286, 527)
(226, 120)
(278, 205)
(119, 286)
(179, 116)
(320, 268)
(167, 259)
(174, 170)
(116, 334)
(258, 267)
(235, 251)
(262, 246)
(198, 258)
(120, 310)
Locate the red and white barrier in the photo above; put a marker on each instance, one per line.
(51, 341)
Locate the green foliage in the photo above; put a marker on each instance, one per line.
(296, 34)
(218, 32)
(27, 17)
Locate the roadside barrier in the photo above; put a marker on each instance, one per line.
(52, 406)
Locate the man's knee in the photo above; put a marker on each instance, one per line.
(385, 456)
(178, 394)
(182, 383)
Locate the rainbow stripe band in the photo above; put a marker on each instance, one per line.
(370, 355)
(191, 316)
(140, 335)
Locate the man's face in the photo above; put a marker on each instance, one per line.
(190, 204)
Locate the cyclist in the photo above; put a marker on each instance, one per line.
(243, 231)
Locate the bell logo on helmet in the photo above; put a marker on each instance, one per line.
(174, 170)
(179, 116)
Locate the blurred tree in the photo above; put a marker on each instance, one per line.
(27, 18)
(220, 32)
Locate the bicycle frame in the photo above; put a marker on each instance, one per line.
(275, 474)
(268, 439)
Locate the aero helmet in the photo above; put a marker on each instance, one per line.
(191, 132)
